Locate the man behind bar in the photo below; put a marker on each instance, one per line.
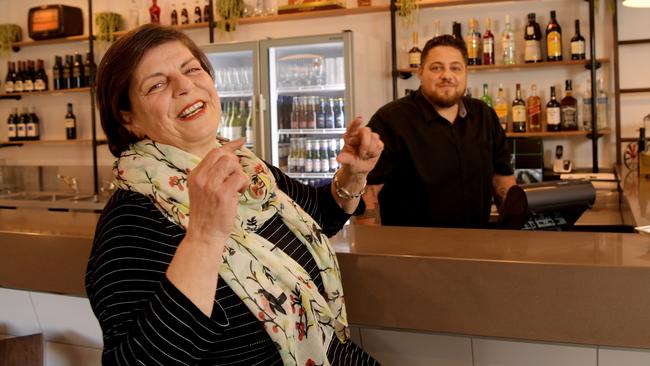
(444, 155)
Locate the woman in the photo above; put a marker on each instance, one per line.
(251, 279)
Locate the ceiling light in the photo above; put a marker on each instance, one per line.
(637, 3)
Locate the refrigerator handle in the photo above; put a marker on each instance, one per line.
(261, 137)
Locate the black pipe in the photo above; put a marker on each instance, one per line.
(594, 91)
(93, 122)
(211, 20)
(393, 47)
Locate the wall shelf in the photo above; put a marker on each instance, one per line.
(406, 72)
(46, 92)
(48, 142)
(559, 134)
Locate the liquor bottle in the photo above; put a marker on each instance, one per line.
(250, 134)
(206, 12)
(508, 44)
(324, 158)
(602, 106)
(533, 38)
(40, 80)
(534, 110)
(309, 158)
(78, 72)
(33, 132)
(415, 52)
(473, 43)
(89, 70)
(553, 39)
(21, 128)
(9, 80)
(340, 113)
(501, 108)
(457, 31)
(315, 157)
(70, 124)
(320, 113)
(174, 15)
(67, 72)
(185, 18)
(197, 13)
(331, 154)
(11, 124)
(586, 107)
(488, 44)
(569, 109)
(577, 44)
(28, 76)
(518, 112)
(57, 74)
(154, 12)
(553, 113)
(486, 96)
(18, 82)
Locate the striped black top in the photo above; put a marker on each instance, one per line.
(146, 320)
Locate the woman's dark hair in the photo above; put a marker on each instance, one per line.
(115, 73)
(445, 40)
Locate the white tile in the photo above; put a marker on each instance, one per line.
(17, 315)
(59, 354)
(608, 356)
(67, 319)
(491, 352)
(393, 348)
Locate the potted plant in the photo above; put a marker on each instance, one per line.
(9, 33)
(106, 24)
(229, 12)
(407, 9)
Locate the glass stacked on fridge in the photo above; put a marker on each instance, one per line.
(311, 110)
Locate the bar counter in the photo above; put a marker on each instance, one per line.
(586, 288)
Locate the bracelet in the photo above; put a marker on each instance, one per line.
(343, 193)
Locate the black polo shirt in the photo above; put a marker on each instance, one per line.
(436, 173)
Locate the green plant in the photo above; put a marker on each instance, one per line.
(9, 33)
(229, 12)
(106, 24)
(407, 9)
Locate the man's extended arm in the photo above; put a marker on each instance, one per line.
(502, 184)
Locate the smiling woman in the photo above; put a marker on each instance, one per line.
(251, 278)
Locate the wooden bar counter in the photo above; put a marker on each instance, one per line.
(585, 288)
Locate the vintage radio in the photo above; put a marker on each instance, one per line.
(54, 21)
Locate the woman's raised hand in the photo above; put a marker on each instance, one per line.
(361, 151)
(214, 188)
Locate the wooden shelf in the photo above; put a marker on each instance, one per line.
(48, 142)
(634, 41)
(522, 66)
(559, 134)
(634, 90)
(440, 3)
(47, 92)
(50, 41)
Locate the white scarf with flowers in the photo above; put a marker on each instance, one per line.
(299, 319)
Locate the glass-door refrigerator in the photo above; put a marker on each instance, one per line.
(307, 98)
(236, 74)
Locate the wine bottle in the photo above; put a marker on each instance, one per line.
(553, 39)
(415, 52)
(534, 110)
(89, 70)
(70, 124)
(197, 13)
(577, 44)
(9, 80)
(32, 126)
(473, 42)
(11, 124)
(569, 109)
(18, 82)
(185, 18)
(508, 44)
(154, 12)
(501, 108)
(174, 15)
(57, 74)
(457, 31)
(78, 79)
(40, 80)
(206, 12)
(21, 128)
(533, 38)
(28, 76)
(518, 112)
(67, 72)
(488, 44)
(553, 113)
(486, 96)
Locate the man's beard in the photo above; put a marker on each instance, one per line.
(445, 100)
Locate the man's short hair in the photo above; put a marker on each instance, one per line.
(444, 40)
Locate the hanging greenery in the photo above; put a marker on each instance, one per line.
(106, 24)
(9, 33)
(407, 11)
(229, 12)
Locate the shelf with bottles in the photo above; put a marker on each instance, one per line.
(235, 94)
(312, 131)
(559, 134)
(46, 92)
(311, 89)
(49, 142)
(311, 175)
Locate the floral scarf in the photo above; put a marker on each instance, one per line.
(299, 319)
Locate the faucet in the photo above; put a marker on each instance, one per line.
(71, 182)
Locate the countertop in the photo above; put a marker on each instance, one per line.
(636, 197)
